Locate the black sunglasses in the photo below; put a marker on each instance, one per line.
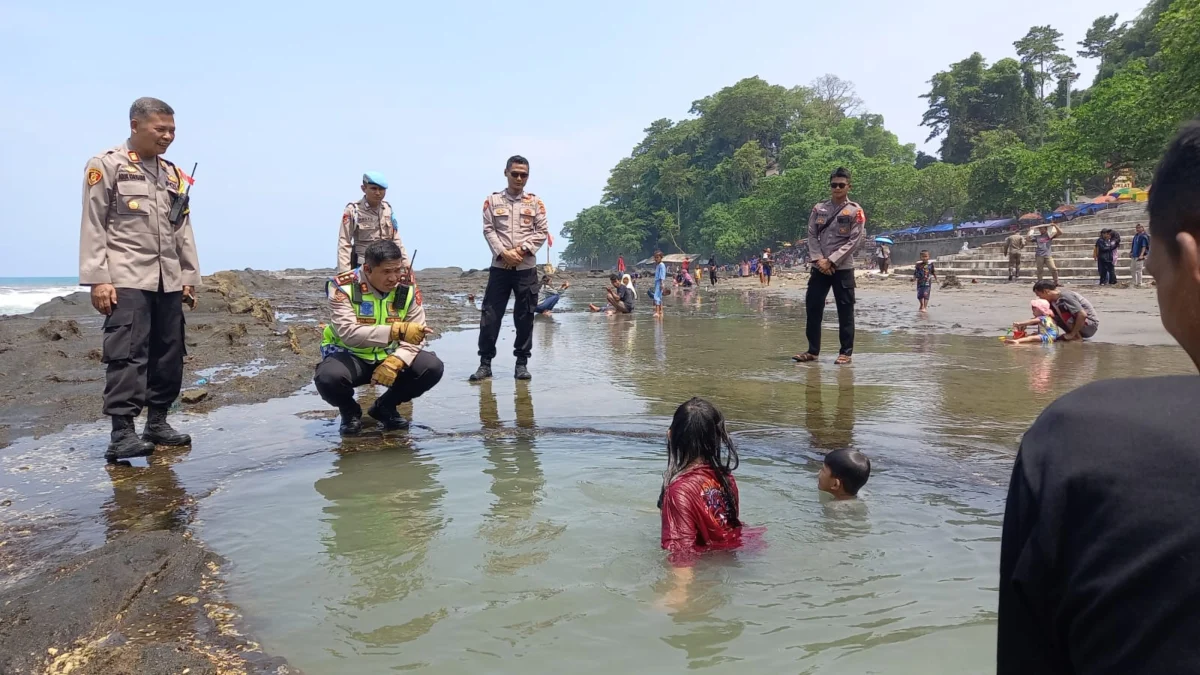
(519, 174)
(839, 185)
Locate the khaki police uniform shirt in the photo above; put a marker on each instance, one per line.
(838, 242)
(354, 334)
(125, 238)
(515, 222)
(1015, 243)
(373, 225)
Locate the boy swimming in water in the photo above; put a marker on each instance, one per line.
(844, 473)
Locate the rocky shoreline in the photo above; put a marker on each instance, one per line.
(150, 602)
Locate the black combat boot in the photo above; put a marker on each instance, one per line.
(388, 418)
(351, 419)
(158, 432)
(124, 442)
(522, 372)
(484, 372)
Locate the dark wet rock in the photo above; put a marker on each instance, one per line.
(55, 330)
(78, 303)
(194, 395)
(138, 604)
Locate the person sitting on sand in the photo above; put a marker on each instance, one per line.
(620, 297)
(843, 473)
(1043, 319)
(550, 296)
(1072, 312)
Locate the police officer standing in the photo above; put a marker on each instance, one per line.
(364, 221)
(139, 257)
(836, 229)
(514, 224)
(376, 335)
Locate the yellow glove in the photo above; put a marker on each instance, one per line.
(386, 372)
(409, 331)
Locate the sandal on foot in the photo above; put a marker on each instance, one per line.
(842, 360)
(805, 357)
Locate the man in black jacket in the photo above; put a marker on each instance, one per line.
(1100, 553)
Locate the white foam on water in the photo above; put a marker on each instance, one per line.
(25, 299)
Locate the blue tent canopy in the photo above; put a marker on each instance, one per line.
(986, 224)
(907, 230)
(973, 225)
(943, 227)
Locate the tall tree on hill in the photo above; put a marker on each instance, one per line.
(1039, 47)
(676, 180)
(971, 98)
(1100, 38)
(833, 100)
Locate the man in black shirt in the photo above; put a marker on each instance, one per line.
(1100, 553)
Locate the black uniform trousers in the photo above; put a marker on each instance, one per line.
(143, 347)
(502, 283)
(819, 283)
(339, 373)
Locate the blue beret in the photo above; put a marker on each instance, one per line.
(374, 178)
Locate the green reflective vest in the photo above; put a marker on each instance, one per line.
(368, 310)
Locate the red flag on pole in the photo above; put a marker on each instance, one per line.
(189, 179)
(550, 239)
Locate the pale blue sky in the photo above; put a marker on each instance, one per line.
(285, 105)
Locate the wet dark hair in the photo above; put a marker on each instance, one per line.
(516, 159)
(840, 172)
(1174, 204)
(657, 252)
(849, 466)
(924, 250)
(613, 277)
(698, 433)
(381, 251)
(1043, 286)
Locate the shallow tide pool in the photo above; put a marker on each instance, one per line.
(514, 528)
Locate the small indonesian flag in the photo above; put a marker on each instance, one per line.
(189, 179)
(550, 239)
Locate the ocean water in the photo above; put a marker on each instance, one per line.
(21, 295)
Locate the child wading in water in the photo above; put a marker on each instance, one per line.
(660, 281)
(924, 275)
(699, 498)
(844, 473)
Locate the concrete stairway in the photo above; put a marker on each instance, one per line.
(1072, 252)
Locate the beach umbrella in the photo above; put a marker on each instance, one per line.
(884, 240)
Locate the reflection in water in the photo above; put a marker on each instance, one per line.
(517, 483)
(705, 636)
(843, 518)
(660, 342)
(384, 510)
(148, 498)
(829, 415)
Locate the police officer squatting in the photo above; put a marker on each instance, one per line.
(138, 256)
(376, 335)
(515, 227)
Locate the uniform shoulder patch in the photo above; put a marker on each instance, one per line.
(345, 218)
(417, 297)
(345, 278)
(486, 204)
(94, 176)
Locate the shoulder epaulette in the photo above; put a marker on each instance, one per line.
(346, 278)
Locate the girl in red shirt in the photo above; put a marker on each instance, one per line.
(699, 498)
